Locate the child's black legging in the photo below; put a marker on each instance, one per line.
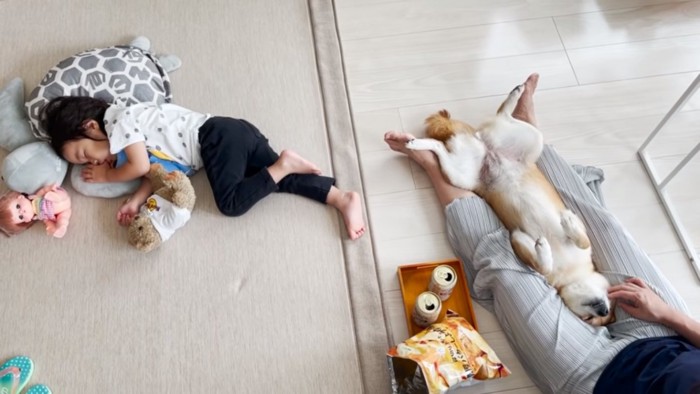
(236, 156)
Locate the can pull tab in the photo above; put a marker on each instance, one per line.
(430, 307)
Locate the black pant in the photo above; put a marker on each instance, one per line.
(236, 156)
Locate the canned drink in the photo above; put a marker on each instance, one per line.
(443, 281)
(427, 309)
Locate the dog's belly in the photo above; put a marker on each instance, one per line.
(570, 262)
(540, 219)
(524, 205)
(521, 202)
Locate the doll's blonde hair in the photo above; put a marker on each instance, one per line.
(6, 225)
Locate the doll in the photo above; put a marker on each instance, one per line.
(51, 204)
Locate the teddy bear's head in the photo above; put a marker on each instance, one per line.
(143, 235)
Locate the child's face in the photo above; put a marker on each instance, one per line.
(87, 151)
(21, 208)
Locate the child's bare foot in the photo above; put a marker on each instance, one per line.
(525, 109)
(296, 164)
(397, 142)
(291, 163)
(350, 206)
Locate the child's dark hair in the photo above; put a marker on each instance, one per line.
(64, 118)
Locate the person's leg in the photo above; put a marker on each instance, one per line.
(550, 342)
(559, 351)
(615, 252)
(445, 191)
(228, 146)
(314, 186)
(243, 168)
(323, 190)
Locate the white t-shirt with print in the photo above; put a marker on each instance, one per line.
(168, 130)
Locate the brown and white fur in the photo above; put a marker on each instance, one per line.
(497, 162)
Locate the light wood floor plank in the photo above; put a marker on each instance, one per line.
(393, 18)
(396, 317)
(405, 214)
(619, 140)
(390, 88)
(676, 269)
(636, 59)
(649, 227)
(629, 25)
(371, 126)
(386, 172)
(453, 45)
(561, 109)
(410, 250)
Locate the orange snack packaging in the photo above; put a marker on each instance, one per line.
(445, 355)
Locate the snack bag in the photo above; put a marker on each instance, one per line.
(444, 355)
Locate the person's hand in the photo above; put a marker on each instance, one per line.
(637, 299)
(95, 173)
(127, 212)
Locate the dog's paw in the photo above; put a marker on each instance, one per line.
(421, 144)
(574, 229)
(569, 223)
(518, 90)
(544, 255)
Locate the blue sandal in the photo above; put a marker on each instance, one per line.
(38, 389)
(15, 374)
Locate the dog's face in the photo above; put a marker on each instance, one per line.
(588, 299)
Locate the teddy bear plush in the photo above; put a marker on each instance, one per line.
(165, 211)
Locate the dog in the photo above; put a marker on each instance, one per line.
(497, 162)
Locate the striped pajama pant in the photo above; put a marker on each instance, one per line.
(560, 353)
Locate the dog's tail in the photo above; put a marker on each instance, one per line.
(439, 126)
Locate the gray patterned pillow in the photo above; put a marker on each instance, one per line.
(119, 74)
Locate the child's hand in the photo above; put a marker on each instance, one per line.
(126, 213)
(95, 173)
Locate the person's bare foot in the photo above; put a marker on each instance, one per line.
(525, 108)
(291, 163)
(397, 142)
(350, 206)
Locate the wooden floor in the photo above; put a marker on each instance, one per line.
(610, 70)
